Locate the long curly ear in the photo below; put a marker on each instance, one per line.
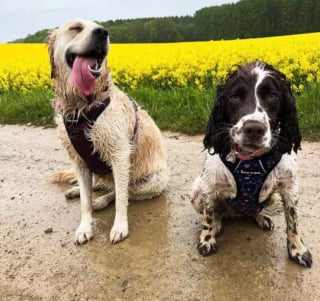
(290, 136)
(216, 136)
(51, 44)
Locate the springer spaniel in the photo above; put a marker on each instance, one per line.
(251, 132)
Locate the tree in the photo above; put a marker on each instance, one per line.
(162, 30)
(243, 19)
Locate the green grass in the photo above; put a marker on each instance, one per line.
(26, 108)
(308, 106)
(182, 110)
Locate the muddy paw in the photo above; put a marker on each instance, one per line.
(265, 222)
(303, 258)
(206, 249)
(83, 235)
(119, 232)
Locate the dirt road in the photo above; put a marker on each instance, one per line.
(159, 260)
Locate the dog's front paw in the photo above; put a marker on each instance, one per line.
(300, 255)
(206, 248)
(83, 234)
(207, 245)
(119, 231)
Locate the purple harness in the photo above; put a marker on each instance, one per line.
(77, 130)
(250, 176)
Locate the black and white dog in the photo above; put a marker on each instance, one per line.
(251, 132)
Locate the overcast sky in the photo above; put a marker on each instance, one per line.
(18, 18)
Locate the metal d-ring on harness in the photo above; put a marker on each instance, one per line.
(77, 132)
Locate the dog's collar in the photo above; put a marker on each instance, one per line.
(238, 153)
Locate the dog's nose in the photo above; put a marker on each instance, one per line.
(100, 33)
(254, 130)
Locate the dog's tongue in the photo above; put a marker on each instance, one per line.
(81, 75)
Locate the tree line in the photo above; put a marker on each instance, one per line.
(243, 19)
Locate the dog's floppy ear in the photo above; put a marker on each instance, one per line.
(216, 139)
(51, 45)
(289, 136)
(216, 136)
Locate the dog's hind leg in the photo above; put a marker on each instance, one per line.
(142, 189)
(73, 192)
(103, 183)
(146, 190)
(103, 201)
(149, 186)
(296, 248)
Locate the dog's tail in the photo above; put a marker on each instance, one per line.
(63, 177)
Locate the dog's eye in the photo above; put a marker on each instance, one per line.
(272, 96)
(77, 28)
(234, 98)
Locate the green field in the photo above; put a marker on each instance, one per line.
(184, 110)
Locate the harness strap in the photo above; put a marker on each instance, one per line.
(250, 176)
(77, 130)
(136, 124)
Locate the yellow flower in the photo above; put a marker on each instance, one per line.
(199, 64)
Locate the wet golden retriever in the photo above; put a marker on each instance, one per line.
(109, 138)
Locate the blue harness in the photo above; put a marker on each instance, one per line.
(250, 176)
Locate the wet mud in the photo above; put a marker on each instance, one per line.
(159, 259)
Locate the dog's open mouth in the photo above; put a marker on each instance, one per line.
(93, 59)
(85, 69)
(251, 150)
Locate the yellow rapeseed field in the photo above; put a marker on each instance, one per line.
(200, 64)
